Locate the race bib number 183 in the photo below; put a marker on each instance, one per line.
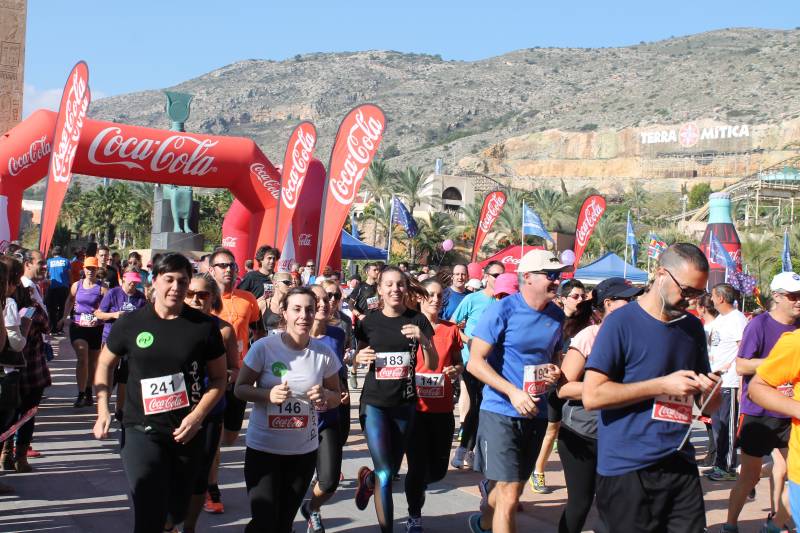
(392, 365)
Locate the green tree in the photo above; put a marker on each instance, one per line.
(379, 182)
(411, 185)
(698, 195)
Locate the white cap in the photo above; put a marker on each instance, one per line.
(785, 282)
(475, 284)
(540, 261)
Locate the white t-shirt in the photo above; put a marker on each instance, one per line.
(726, 333)
(290, 428)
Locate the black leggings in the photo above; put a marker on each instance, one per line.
(428, 454)
(329, 459)
(213, 427)
(160, 473)
(276, 485)
(579, 458)
(469, 428)
(25, 432)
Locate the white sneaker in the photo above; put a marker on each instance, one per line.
(458, 459)
(469, 459)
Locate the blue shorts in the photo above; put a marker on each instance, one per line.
(507, 447)
(794, 498)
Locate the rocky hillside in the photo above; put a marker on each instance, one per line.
(451, 109)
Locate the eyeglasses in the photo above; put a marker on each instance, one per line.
(334, 295)
(285, 282)
(201, 295)
(577, 296)
(310, 265)
(225, 266)
(494, 274)
(686, 292)
(791, 296)
(551, 275)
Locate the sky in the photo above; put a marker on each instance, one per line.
(135, 46)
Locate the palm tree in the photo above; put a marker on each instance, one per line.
(760, 253)
(378, 213)
(411, 184)
(465, 226)
(379, 182)
(431, 234)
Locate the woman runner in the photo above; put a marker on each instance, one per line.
(272, 316)
(388, 341)
(294, 376)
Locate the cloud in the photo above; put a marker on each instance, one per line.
(34, 98)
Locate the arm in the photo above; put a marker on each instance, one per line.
(457, 367)
(327, 395)
(747, 367)
(69, 303)
(103, 378)
(768, 397)
(191, 423)
(572, 368)
(107, 315)
(245, 390)
(231, 351)
(599, 392)
(479, 367)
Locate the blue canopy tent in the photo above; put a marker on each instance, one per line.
(352, 248)
(609, 266)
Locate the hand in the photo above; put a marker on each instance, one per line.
(451, 372)
(233, 374)
(524, 403)
(118, 314)
(280, 393)
(189, 427)
(553, 375)
(366, 356)
(412, 332)
(316, 395)
(345, 399)
(680, 383)
(101, 426)
(706, 382)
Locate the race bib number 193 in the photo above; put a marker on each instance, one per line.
(163, 394)
(533, 379)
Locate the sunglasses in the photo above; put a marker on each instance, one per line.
(285, 282)
(202, 295)
(686, 292)
(225, 266)
(577, 296)
(494, 275)
(334, 295)
(551, 275)
(791, 296)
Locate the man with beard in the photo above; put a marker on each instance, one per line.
(648, 364)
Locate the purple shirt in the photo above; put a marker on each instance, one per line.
(117, 300)
(759, 337)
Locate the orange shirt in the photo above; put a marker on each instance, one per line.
(75, 270)
(240, 309)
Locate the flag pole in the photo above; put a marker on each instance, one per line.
(625, 268)
(522, 234)
(389, 238)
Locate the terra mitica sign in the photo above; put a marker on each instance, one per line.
(688, 135)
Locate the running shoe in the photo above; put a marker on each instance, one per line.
(213, 503)
(313, 518)
(31, 453)
(458, 458)
(718, 474)
(414, 525)
(483, 487)
(769, 527)
(475, 524)
(88, 400)
(538, 484)
(752, 495)
(363, 491)
(78, 400)
(727, 528)
(708, 461)
(469, 459)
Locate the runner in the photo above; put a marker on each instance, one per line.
(341, 320)
(432, 431)
(577, 437)
(203, 295)
(456, 292)
(58, 269)
(647, 364)
(389, 340)
(256, 282)
(85, 329)
(240, 310)
(272, 315)
(725, 336)
(294, 376)
(112, 277)
(512, 351)
(331, 437)
(170, 348)
(364, 297)
(704, 309)
(469, 312)
(761, 431)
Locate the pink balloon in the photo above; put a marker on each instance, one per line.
(447, 245)
(567, 257)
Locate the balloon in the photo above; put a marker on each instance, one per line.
(447, 245)
(568, 257)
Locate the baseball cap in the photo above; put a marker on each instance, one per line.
(785, 282)
(506, 284)
(539, 261)
(91, 262)
(132, 276)
(475, 284)
(615, 288)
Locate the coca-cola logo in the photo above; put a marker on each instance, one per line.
(304, 239)
(430, 392)
(362, 142)
(170, 402)
(37, 151)
(673, 412)
(288, 421)
(74, 109)
(591, 215)
(177, 154)
(229, 242)
(298, 166)
(392, 372)
(266, 181)
(536, 387)
(510, 259)
(494, 206)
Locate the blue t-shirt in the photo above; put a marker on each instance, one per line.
(471, 308)
(521, 336)
(335, 339)
(451, 300)
(58, 271)
(631, 347)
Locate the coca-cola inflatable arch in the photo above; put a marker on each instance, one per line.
(121, 151)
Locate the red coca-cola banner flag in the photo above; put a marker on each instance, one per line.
(69, 124)
(298, 155)
(492, 207)
(356, 144)
(591, 211)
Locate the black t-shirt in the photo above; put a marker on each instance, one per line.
(253, 282)
(383, 334)
(365, 297)
(166, 363)
(112, 277)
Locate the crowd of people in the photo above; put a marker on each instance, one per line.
(613, 376)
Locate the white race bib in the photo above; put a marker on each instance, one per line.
(677, 409)
(392, 365)
(165, 393)
(787, 389)
(430, 385)
(533, 379)
(87, 320)
(292, 415)
(372, 303)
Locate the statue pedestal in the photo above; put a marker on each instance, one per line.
(162, 215)
(178, 242)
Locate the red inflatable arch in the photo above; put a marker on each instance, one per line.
(121, 151)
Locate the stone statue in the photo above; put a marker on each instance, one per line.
(180, 196)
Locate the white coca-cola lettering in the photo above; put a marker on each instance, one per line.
(37, 151)
(169, 402)
(301, 157)
(229, 242)
(287, 421)
(75, 106)
(493, 208)
(266, 181)
(304, 239)
(177, 154)
(673, 412)
(362, 142)
(510, 259)
(392, 372)
(591, 215)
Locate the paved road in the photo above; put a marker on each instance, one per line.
(79, 486)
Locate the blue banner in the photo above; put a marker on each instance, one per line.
(404, 218)
(532, 224)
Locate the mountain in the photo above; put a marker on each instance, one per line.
(451, 109)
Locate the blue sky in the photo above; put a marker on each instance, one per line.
(133, 46)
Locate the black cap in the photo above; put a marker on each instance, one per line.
(615, 288)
